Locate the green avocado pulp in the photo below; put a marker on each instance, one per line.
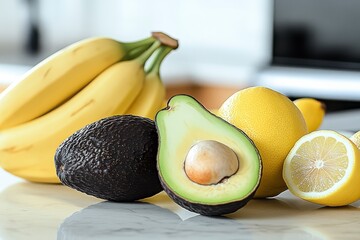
(184, 123)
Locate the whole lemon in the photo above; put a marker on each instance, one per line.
(313, 112)
(274, 124)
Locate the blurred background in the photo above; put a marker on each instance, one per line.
(221, 42)
(300, 48)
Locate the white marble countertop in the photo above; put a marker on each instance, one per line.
(42, 211)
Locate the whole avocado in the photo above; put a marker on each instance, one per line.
(113, 159)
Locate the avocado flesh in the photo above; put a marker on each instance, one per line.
(181, 125)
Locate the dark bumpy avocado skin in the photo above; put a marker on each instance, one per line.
(113, 158)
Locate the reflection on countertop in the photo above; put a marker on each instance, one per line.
(43, 211)
(33, 211)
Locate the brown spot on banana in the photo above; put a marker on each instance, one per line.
(14, 149)
(47, 72)
(74, 52)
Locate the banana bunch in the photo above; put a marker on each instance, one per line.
(60, 76)
(82, 83)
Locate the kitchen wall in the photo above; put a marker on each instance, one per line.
(220, 41)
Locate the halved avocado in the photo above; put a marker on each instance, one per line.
(205, 164)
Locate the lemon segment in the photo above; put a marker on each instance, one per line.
(323, 167)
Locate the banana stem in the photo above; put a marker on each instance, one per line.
(160, 54)
(166, 40)
(136, 52)
(147, 42)
(147, 54)
(135, 49)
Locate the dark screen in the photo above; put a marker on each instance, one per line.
(318, 33)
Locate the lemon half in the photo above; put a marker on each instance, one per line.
(323, 167)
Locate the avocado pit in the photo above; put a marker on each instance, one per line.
(210, 162)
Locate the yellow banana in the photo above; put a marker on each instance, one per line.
(60, 76)
(151, 97)
(313, 112)
(27, 150)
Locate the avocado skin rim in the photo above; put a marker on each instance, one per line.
(208, 210)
